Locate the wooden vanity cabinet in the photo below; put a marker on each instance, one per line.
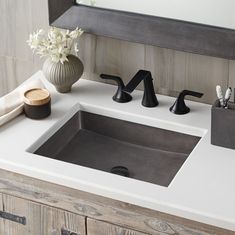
(24, 217)
(30, 206)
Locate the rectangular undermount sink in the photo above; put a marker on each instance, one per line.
(144, 153)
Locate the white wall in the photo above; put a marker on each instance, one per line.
(212, 12)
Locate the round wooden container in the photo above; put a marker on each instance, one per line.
(37, 103)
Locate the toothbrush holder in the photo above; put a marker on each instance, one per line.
(223, 125)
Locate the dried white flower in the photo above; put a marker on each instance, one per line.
(56, 44)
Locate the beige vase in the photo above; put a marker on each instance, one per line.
(63, 76)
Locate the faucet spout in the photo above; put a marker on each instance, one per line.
(149, 97)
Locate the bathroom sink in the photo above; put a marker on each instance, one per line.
(126, 148)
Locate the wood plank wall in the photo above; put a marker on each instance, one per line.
(172, 70)
(17, 20)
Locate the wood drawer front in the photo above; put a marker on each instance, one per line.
(40, 219)
(95, 227)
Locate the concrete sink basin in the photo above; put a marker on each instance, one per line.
(121, 147)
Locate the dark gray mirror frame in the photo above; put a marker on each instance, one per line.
(139, 28)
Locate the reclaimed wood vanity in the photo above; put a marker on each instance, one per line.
(41, 208)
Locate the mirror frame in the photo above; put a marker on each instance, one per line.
(151, 30)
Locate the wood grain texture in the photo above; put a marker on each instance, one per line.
(17, 20)
(23, 70)
(40, 20)
(15, 24)
(6, 66)
(175, 71)
(39, 14)
(99, 208)
(95, 227)
(13, 73)
(204, 73)
(87, 50)
(40, 219)
(112, 58)
(172, 70)
(168, 69)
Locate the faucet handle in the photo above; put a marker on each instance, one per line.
(120, 96)
(179, 107)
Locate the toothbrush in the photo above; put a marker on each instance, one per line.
(227, 97)
(220, 95)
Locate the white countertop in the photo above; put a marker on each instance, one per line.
(203, 190)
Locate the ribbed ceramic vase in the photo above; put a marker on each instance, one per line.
(63, 76)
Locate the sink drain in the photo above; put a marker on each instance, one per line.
(120, 170)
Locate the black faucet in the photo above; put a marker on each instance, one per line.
(122, 95)
(179, 107)
(149, 98)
